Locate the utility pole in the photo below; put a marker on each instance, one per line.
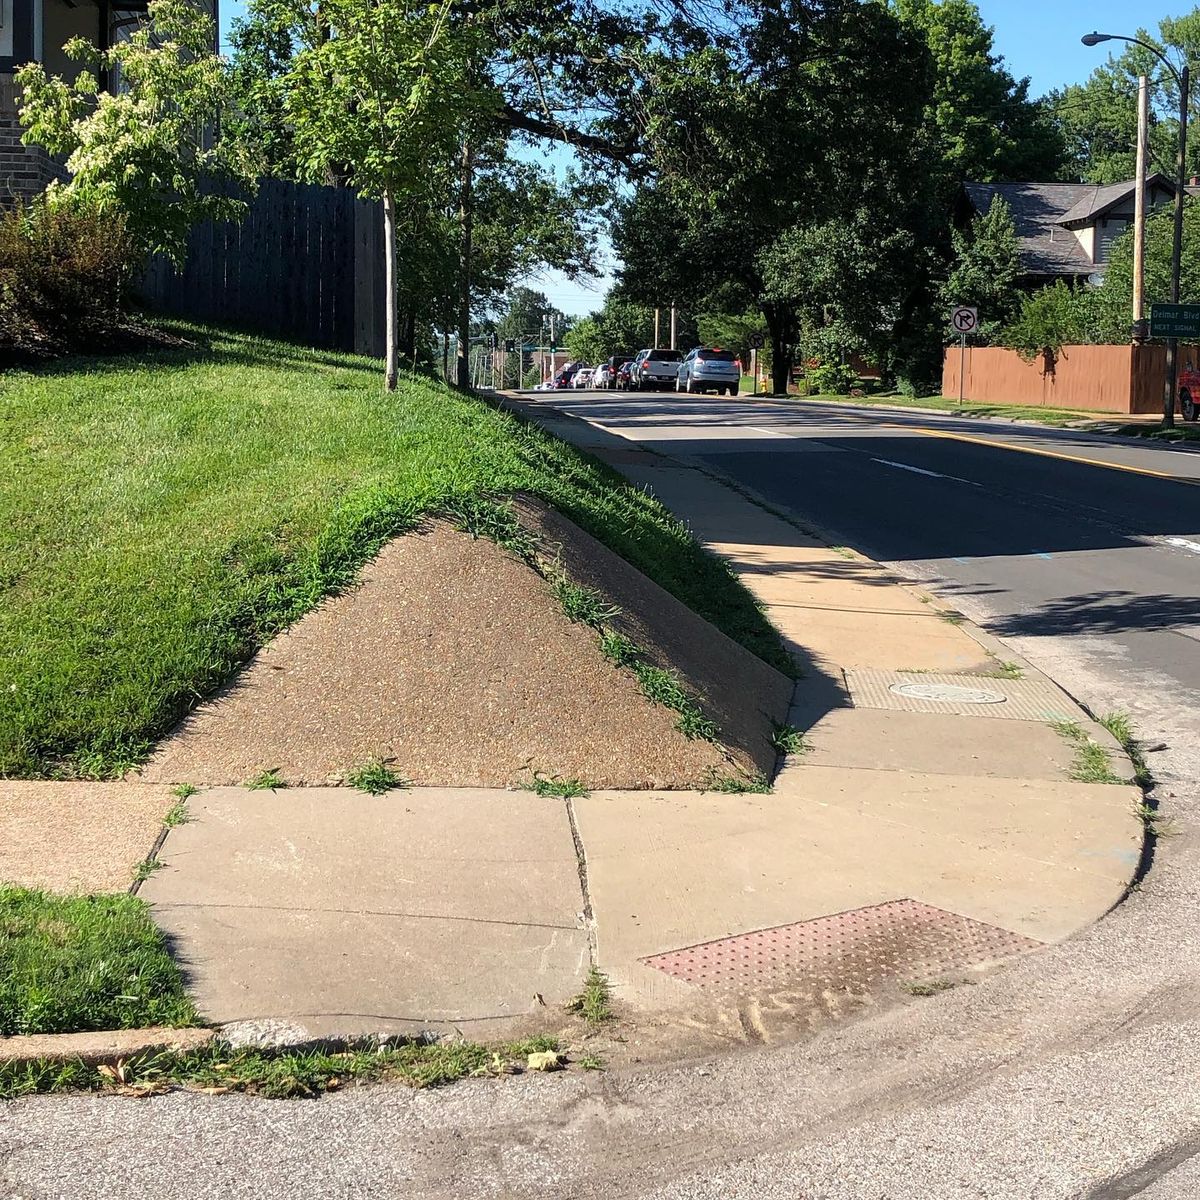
(1139, 212)
(656, 329)
(1177, 251)
(673, 346)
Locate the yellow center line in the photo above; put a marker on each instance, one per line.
(1075, 458)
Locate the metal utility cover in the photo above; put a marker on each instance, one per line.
(958, 695)
(854, 951)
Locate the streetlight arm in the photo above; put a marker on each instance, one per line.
(1094, 39)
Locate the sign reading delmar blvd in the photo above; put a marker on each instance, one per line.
(1175, 321)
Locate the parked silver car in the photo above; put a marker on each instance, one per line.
(654, 369)
(709, 369)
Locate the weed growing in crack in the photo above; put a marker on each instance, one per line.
(929, 987)
(146, 868)
(184, 790)
(594, 1003)
(1120, 726)
(1155, 824)
(583, 604)
(787, 739)
(555, 785)
(375, 777)
(1007, 670)
(618, 649)
(663, 687)
(1092, 764)
(736, 785)
(268, 780)
(177, 814)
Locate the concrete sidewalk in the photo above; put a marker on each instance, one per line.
(928, 829)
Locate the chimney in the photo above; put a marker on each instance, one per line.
(1194, 181)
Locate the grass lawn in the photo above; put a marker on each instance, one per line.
(163, 515)
(74, 963)
(950, 404)
(1179, 432)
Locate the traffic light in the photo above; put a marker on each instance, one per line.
(510, 345)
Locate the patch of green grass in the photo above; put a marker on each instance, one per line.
(555, 785)
(268, 780)
(1179, 432)
(929, 987)
(375, 777)
(950, 404)
(75, 963)
(590, 1062)
(594, 1002)
(1156, 825)
(736, 785)
(1120, 726)
(1092, 763)
(951, 617)
(218, 1069)
(184, 791)
(164, 514)
(787, 739)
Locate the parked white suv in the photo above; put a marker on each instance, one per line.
(706, 369)
(655, 369)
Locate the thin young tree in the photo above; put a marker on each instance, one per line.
(378, 95)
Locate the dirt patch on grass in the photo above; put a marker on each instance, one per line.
(454, 661)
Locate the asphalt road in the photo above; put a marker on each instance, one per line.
(1074, 1074)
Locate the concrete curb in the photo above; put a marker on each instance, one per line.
(104, 1046)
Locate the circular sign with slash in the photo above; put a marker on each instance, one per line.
(757, 341)
(965, 320)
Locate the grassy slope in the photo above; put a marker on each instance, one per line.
(161, 517)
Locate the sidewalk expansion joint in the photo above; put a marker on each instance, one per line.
(589, 921)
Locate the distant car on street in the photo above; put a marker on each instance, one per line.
(655, 369)
(602, 376)
(709, 369)
(583, 377)
(623, 382)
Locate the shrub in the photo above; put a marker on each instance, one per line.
(63, 268)
(1051, 318)
(830, 379)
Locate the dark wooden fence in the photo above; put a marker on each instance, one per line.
(305, 264)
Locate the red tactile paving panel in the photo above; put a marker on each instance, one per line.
(856, 950)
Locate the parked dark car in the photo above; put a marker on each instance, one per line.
(623, 382)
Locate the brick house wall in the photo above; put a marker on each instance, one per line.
(24, 170)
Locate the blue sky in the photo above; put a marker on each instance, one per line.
(1038, 38)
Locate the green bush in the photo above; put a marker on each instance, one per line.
(63, 268)
(830, 379)
(1049, 319)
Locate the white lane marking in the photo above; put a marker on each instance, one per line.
(760, 429)
(887, 462)
(1183, 544)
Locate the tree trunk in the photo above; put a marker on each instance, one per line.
(466, 218)
(389, 258)
(781, 350)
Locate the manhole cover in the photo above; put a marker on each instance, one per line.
(949, 693)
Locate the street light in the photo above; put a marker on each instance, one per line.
(1183, 79)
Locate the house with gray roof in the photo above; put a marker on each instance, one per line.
(1065, 230)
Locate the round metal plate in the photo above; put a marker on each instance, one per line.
(947, 692)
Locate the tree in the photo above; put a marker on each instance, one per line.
(527, 313)
(382, 91)
(983, 122)
(144, 151)
(813, 111)
(586, 341)
(985, 269)
(1098, 118)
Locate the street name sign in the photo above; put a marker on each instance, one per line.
(1175, 321)
(965, 320)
